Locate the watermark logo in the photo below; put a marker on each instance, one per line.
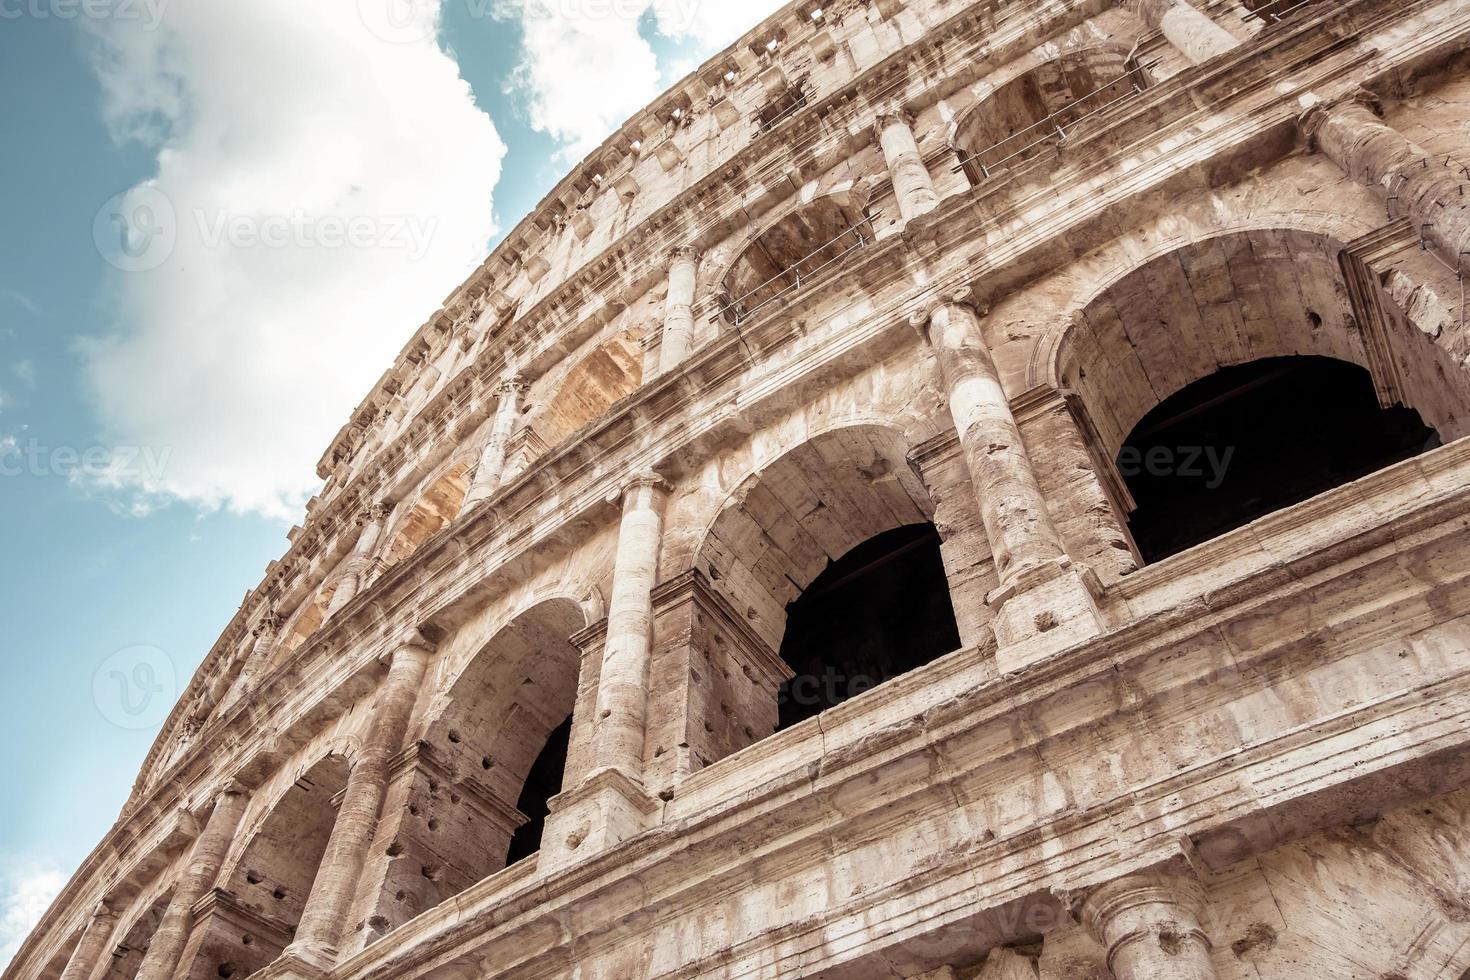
(131, 464)
(137, 230)
(1208, 463)
(135, 688)
(403, 21)
(147, 14)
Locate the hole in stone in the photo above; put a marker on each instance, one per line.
(454, 736)
(247, 940)
(254, 877)
(226, 970)
(1314, 318)
(433, 824)
(430, 872)
(278, 894)
(395, 849)
(485, 763)
(413, 809)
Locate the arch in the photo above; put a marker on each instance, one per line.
(1021, 118)
(802, 244)
(131, 943)
(1183, 315)
(267, 886)
(609, 373)
(434, 509)
(453, 810)
(800, 515)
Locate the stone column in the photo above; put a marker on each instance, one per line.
(678, 332)
(1417, 186)
(93, 946)
(611, 802)
(264, 636)
(354, 570)
(1150, 925)
(912, 184)
(1044, 603)
(1188, 28)
(198, 878)
(623, 692)
(323, 920)
(491, 467)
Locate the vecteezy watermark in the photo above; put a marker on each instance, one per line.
(146, 13)
(138, 230)
(1190, 462)
(134, 464)
(135, 688)
(302, 230)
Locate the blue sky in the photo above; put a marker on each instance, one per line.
(160, 420)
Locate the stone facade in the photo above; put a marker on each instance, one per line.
(879, 265)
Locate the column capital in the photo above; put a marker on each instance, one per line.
(1311, 119)
(962, 296)
(638, 481)
(513, 384)
(888, 115)
(230, 786)
(411, 638)
(269, 624)
(1156, 906)
(684, 253)
(104, 909)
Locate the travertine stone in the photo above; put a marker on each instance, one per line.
(1423, 188)
(623, 695)
(1150, 924)
(323, 921)
(93, 944)
(490, 471)
(214, 840)
(912, 184)
(678, 332)
(355, 569)
(1188, 28)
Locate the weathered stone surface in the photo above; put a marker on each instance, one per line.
(690, 386)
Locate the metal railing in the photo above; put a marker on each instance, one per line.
(795, 276)
(1052, 125)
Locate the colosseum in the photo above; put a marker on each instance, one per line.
(953, 489)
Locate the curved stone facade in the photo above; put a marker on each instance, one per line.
(880, 265)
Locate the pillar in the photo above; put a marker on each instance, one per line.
(1188, 28)
(1044, 603)
(353, 576)
(198, 878)
(678, 331)
(93, 946)
(263, 644)
(1150, 925)
(1417, 186)
(611, 803)
(323, 920)
(491, 468)
(623, 691)
(912, 184)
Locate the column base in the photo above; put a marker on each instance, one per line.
(1043, 611)
(606, 809)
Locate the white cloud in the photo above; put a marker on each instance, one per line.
(307, 153)
(586, 68)
(24, 898)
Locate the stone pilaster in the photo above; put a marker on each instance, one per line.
(912, 184)
(167, 946)
(1044, 602)
(320, 933)
(86, 958)
(230, 939)
(1188, 28)
(353, 575)
(264, 637)
(1415, 184)
(1150, 924)
(490, 471)
(713, 683)
(678, 330)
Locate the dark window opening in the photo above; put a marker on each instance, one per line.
(1254, 439)
(881, 610)
(542, 784)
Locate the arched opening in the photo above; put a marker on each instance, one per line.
(128, 953)
(1030, 114)
(1255, 438)
(431, 513)
(831, 557)
(1218, 314)
(256, 917)
(495, 742)
(803, 246)
(543, 782)
(608, 374)
(877, 612)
